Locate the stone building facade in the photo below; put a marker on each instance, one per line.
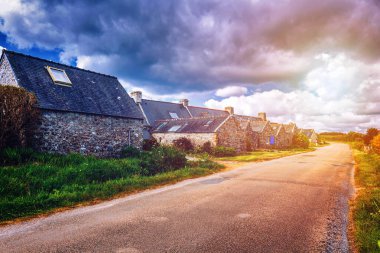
(63, 132)
(81, 111)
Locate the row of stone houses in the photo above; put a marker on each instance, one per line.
(166, 122)
(91, 113)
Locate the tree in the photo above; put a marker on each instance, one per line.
(354, 136)
(19, 116)
(300, 141)
(376, 144)
(371, 133)
(183, 144)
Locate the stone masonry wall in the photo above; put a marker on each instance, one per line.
(102, 136)
(197, 139)
(230, 134)
(264, 137)
(6, 73)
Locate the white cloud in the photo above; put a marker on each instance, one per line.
(231, 91)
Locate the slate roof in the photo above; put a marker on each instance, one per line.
(258, 126)
(307, 132)
(90, 92)
(190, 125)
(159, 110)
(289, 128)
(206, 112)
(276, 127)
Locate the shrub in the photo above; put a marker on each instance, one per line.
(357, 145)
(15, 156)
(221, 151)
(376, 144)
(148, 145)
(371, 133)
(207, 147)
(300, 141)
(162, 159)
(183, 144)
(130, 151)
(19, 117)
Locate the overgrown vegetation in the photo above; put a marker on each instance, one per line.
(183, 144)
(366, 211)
(300, 141)
(19, 116)
(32, 183)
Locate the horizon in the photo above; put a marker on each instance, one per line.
(291, 59)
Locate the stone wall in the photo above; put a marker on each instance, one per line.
(7, 75)
(197, 139)
(103, 136)
(230, 134)
(281, 140)
(264, 137)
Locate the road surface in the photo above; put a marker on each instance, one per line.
(293, 204)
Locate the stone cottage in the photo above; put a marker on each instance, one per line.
(266, 135)
(219, 131)
(82, 111)
(280, 135)
(290, 130)
(311, 135)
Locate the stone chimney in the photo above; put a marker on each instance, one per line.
(263, 116)
(229, 109)
(137, 96)
(184, 102)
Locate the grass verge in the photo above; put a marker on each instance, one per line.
(264, 155)
(45, 182)
(366, 209)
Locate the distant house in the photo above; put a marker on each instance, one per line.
(265, 132)
(281, 138)
(310, 134)
(82, 111)
(219, 131)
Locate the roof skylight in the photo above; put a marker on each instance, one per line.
(173, 115)
(59, 76)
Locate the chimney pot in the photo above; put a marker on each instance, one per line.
(137, 96)
(263, 116)
(229, 109)
(184, 102)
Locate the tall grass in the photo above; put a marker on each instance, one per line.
(32, 183)
(367, 204)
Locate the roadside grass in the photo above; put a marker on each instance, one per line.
(265, 155)
(366, 211)
(37, 183)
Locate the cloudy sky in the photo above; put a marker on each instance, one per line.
(313, 62)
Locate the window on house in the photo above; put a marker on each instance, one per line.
(174, 128)
(162, 125)
(173, 115)
(59, 76)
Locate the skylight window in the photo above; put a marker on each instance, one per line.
(162, 125)
(209, 122)
(174, 115)
(174, 128)
(59, 76)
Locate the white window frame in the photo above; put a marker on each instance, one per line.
(63, 83)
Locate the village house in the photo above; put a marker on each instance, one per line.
(280, 135)
(311, 135)
(81, 111)
(219, 131)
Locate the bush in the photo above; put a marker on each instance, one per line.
(130, 151)
(207, 147)
(15, 156)
(357, 145)
(148, 145)
(183, 144)
(300, 141)
(19, 117)
(371, 133)
(376, 144)
(162, 159)
(221, 151)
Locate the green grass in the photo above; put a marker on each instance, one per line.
(265, 155)
(366, 212)
(37, 183)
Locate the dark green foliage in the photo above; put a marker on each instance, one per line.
(183, 144)
(130, 151)
(207, 147)
(163, 158)
(148, 145)
(354, 136)
(300, 141)
(19, 117)
(221, 151)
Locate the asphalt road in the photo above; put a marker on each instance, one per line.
(293, 204)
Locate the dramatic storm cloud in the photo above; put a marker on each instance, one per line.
(314, 62)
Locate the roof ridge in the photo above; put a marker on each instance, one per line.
(203, 107)
(194, 118)
(50, 61)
